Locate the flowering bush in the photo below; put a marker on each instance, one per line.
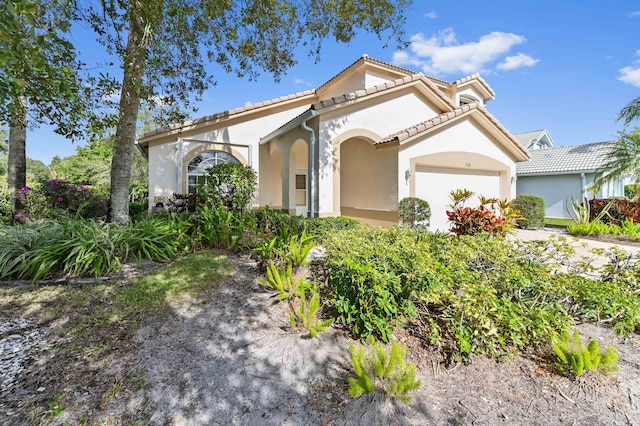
(61, 196)
(492, 216)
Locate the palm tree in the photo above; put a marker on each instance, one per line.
(623, 160)
(630, 112)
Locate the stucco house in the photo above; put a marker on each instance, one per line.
(558, 174)
(370, 136)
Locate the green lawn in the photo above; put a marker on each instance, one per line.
(555, 222)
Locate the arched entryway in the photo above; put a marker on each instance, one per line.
(368, 181)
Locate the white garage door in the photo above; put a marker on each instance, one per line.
(434, 186)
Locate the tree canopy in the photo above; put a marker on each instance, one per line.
(39, 63)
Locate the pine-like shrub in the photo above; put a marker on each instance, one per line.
(531, 208)
(414, 212)
(572, 353)
(381, 370)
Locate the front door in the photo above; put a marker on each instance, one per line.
(301, 192)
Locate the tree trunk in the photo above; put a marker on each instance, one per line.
(17, 173)
(122, 162)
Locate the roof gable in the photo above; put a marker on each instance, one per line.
(487, 120)
(535, 140)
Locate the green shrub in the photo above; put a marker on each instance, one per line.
(230, 184)
(630, 191)
(380, 370)
(531, 207)
(221, 228)
(6, 216)
(473, 294)
(138, 208)
(572, 353)
(59, 197)
(414, 212)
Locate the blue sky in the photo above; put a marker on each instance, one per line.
(567, 66)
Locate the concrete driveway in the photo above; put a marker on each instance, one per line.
(582, 246)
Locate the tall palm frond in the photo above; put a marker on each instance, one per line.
(630, 112)
(623, 160)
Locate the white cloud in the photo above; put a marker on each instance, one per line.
(301, 82)
(518, 61)
(431, 15)
(443, 54)
(630, 75)
(634, 14)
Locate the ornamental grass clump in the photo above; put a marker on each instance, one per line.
(379, 369)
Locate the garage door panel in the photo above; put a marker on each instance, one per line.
(434, 186)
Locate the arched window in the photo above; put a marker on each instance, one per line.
(197, 167)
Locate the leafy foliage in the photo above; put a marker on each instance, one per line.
(572, 353)
(306, 315)
(615, 211)
(381, 370)
(58, 197)
(284, 282)
(531, 207)
(220, 228)
(230, 184)
(492, 216)
(471, 294)
(76, 247)
(581, 211)
(414, 212)
(38, 62)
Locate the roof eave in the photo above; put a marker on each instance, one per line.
(197, 123)
(296, 122)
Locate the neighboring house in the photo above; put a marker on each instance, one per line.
(558, 174)
(368, 137)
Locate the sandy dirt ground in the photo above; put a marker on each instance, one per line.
(233, 359)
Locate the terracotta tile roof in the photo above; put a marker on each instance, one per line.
(229, 113)
(381, 88)
(442, 119)
(562, 159)
(479, 79)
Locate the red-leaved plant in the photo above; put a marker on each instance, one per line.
(491, 216)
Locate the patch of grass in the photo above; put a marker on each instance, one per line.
(182, 280)
(556, 222)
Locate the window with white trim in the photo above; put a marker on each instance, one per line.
(197, 167)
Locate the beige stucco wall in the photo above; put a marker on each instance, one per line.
(163, 178)
(368, 176)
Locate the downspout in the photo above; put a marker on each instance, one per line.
(313, 173)
(180, 157)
